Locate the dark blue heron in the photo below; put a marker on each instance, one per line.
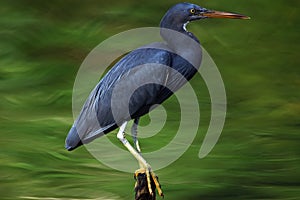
(97, 116)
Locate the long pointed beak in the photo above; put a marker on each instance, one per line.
(220, 14)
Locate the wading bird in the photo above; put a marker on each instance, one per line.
(108, 107)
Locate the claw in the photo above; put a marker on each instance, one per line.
(158, 187)
(149, 181)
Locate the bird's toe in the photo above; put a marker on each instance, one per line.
(146, 183)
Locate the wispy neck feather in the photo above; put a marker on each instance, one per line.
(184, 26)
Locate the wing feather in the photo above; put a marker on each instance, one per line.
(98, 117)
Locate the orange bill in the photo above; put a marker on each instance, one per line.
(220, 14)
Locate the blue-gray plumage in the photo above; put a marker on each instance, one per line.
(168, 54)
(150, 75)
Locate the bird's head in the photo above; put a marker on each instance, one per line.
(179, 15)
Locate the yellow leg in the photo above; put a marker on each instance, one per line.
(143, 163)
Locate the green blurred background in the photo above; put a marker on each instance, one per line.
(42, 44)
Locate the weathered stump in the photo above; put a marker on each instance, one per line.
(141, 187)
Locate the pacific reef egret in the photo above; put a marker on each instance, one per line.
(108, 107)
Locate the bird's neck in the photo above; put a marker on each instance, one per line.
(168, 22)
(181, 42)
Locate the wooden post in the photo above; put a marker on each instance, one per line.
(141, 188)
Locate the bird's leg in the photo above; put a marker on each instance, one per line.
(141, 160)
(142, 169)
(121, 137)
(137, 147)
(134, 136)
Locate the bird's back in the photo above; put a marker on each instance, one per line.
(143, 78)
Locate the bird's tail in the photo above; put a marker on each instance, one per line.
(73, 140)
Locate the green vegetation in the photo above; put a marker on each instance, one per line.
(42, 44)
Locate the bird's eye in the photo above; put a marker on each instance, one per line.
(192, 11)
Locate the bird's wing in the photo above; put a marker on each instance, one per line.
(127, 91)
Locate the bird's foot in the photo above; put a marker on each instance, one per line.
(147, 175)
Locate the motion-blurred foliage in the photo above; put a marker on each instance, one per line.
(42, 44)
